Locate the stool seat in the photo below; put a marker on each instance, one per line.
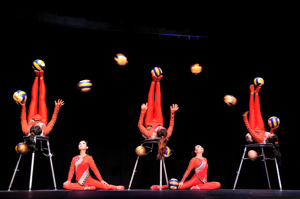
(37, 137)
(151, 141)
(261, 146)
(267, 145)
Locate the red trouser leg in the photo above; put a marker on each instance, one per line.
(32, 111)
(73, 186)
(252, 119)
(42, 101)
(209, 185)
(259, 120)
(157, 108)
(149, 113)
(96, 183)
(192, 182)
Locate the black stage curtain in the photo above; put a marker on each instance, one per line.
(107, 116)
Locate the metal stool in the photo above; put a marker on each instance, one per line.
(36, 138)
(161, 161)
(262, 146)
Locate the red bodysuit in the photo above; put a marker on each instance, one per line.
(154, 117)
(42, 115)
(199, 179)
(81, 165)
(255, 125)
(200, 176)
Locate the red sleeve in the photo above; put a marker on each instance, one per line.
(72, 169)
(143, 130)
(188, 170)
(50, 125)
(24, 124)
(94, 168)
(252, 133)
(171, 125)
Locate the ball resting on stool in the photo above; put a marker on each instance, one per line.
(252, 155)
(21, 148)
(140, 151)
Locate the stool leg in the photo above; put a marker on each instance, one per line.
(13, 177)
(278, 175)
(238, 173)
(51, 164)
(166, 176)
(160, 174)
(133, 172)
(31, 169)
(263, 154)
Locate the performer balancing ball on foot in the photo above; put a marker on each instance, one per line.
(80, 165)
(37, 122)
(199, 179)
(255, 124)
(154, 117)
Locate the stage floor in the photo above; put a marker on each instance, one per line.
(140, 193)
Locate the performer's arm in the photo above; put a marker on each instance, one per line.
(171, 126)
(71, 170)
(173, 108)
(50, 125)
(143, 130)
(252, 133)
(94, 168)
(25, 127)
(188, 170)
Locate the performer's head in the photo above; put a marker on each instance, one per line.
(83, 146)
(36, 129)
(162, 131)
(199, 149)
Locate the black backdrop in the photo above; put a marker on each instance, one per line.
(107, 116)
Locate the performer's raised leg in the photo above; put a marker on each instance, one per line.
(252, 118)
(42, 99)
(150, 105)
(258, 117)
(158, 116)
(32, 111)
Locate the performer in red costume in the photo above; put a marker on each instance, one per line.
(152, 109)
(199, 179)
(36, 123)
(255, 125)
(81, 164)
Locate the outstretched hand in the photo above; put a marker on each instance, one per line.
(174, 108)
(144, 106)
(59, 102)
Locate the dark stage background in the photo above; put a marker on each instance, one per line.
(107, 116)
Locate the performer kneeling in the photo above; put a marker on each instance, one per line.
(199, 179)
(81, 165)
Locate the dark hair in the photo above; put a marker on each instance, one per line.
(36, 130)
(276, 152)
(162, 144)
(87, 150)
(162, 132)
